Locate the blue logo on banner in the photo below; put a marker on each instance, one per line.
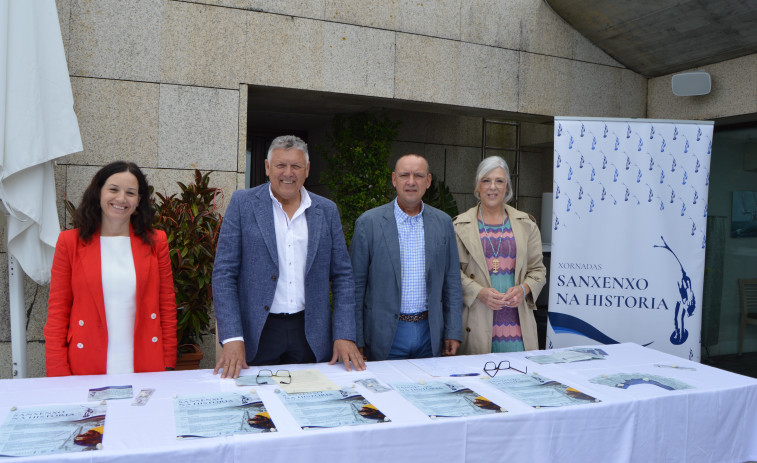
(685, 306)
(564, 323)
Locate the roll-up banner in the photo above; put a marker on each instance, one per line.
(628, 233)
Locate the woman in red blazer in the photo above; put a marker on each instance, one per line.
(86, 283)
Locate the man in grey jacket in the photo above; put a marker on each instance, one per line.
(408, 293)
(280, 249)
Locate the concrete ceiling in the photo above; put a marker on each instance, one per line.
(659, 37)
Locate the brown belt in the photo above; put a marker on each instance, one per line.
(414, 317)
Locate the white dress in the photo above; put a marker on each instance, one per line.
(120, 295)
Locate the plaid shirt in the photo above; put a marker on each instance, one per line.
(413, 259)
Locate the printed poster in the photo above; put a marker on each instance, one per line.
(446, 399)
(220, 414)
(330, 409)
(629, 225)
(50, 429)
(538, 391)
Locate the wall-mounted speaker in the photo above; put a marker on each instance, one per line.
(692, 83)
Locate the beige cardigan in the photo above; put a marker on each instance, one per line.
(529, 269)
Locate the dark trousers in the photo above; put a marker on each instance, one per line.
(283, 341)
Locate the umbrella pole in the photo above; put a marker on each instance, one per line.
(18, 316)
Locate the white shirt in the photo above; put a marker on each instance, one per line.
(292, 248)
(120, 296)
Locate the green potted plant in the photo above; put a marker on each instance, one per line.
(439, 196)
(192, 221)
(358, 173)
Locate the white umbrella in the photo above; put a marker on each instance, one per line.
(37, 125)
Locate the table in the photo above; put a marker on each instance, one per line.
(716, 421)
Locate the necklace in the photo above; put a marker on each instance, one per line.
(495, 261)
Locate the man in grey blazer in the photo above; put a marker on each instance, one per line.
(408, 292)
(280, 249)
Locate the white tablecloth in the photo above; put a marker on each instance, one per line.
(716, 421)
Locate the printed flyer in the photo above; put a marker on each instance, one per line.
(45, 430)
(577, 354)
(329, 409)
(627, 380)
(446, 399)
(538, 391)
(220, 414)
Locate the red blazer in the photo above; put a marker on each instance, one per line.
(76, 334)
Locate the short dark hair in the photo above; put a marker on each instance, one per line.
(88, 215)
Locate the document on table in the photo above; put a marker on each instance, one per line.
(52, 429)
(330, 409)
(301, 381)
(538, 391)
(446, 399)
(308, 381)
(447, 366)
(626, 380)
(569, 355)
(110, 392)
(220, 414)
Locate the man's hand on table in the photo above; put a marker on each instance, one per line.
(450, 347)
(232, 360)
(349, 353)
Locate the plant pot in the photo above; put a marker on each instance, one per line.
(189, 357)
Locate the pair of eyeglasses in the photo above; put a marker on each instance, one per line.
(283, 376)
(490, 367)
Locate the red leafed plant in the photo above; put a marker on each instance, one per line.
(192, 221)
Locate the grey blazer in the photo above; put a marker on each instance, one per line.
(375, 254)
(247, 267)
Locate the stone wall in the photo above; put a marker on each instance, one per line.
(164, 83)
(734, 93)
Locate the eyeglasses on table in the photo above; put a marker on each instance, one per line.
(490, 367)
(283, 376)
